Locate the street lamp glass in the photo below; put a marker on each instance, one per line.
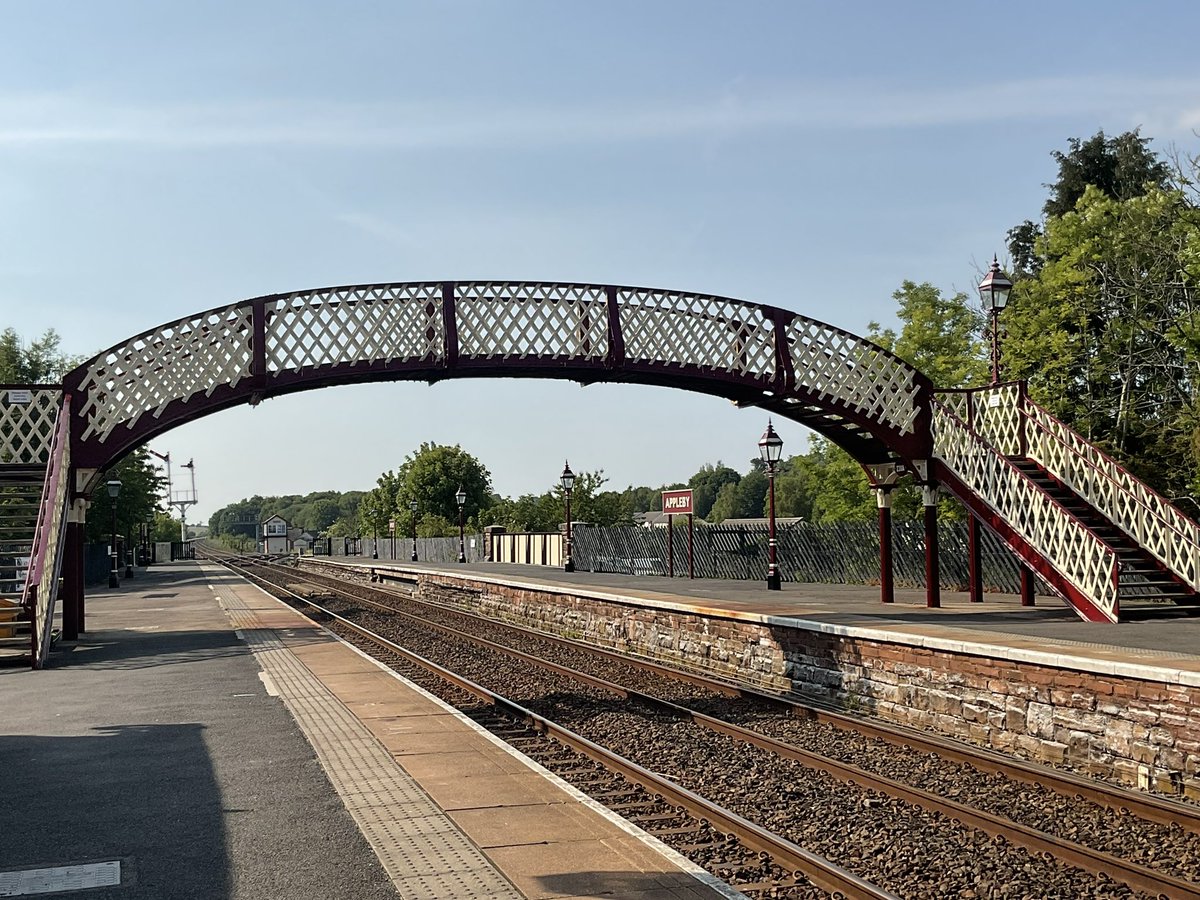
(114, 487)
(770, 445)
(567, 479)
(995, 288)
(461, 496)
(412, 505)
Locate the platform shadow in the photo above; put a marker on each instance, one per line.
(647, 885)
(142, 794)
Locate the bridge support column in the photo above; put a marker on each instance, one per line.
(72, 568)
(887, 572)
(1027, 585)
(974, 559)
(933, 590)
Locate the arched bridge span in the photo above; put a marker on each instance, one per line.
(841, 385)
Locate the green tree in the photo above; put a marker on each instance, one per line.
(706, 483)
(38, 363)
(938, 335)
(138, 500)
(432, 476)
(1121, 168)
(1108, 331)
(744, 500)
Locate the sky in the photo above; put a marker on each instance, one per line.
(158, 159)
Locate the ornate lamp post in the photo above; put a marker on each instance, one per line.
(114, 491)
(129, 573)
(412, 506)
(567, 480)
(149, 551)
(461, 497)
(994, 291)
(770, 448)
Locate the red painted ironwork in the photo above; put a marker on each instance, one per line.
(887, 570)
(46, 554)
(841, 385)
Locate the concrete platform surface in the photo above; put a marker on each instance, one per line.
(278, 762)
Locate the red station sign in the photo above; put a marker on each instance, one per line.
(677, 503)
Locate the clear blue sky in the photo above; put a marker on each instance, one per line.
(157, 159)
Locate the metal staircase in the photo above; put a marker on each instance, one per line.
(35, 466)
(1094, 532)
(20, 497)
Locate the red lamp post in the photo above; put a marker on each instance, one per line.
(567, 480)
(770, 448)
(994, 291)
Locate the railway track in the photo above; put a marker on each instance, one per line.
(931, 818)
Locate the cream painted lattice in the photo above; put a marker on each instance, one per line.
(699, 331)
(385, 324)
(45, 563)
(27, 429)
(513, 320)
(996, 417)
(840, 366)
(191, 356)
(1136, 509)
(1059, 538)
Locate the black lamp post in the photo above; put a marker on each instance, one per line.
(149, 551)
(994, 291)
(114, 490)
(392, 532)
(567, 480)
(461, 497)
(770, 448)
(375, 538)
(412, 507)
(129, 553)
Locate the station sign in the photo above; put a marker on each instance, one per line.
(20, 397)
(391, 524)
(677, 503)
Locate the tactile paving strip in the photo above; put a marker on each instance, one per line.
(422, 851)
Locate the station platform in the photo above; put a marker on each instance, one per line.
(1162, 648)
(204, 740)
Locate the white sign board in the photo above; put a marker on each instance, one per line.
(21, 398)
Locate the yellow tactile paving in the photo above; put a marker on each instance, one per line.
(451, 811)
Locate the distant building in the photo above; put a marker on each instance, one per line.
(656, 519)
(274, 532)
(302, 541)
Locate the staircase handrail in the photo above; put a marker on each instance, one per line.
(1145, 515)
(45, 563)
(1048, 527)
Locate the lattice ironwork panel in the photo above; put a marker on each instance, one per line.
(498, 320)
(697, 331)
(1141, 512)
(191, 356)
(997, 417)
(27, 429)
(385, 323)
(858, 373)
(1078, 555)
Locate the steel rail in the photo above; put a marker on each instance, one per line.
(1145, 806)
(1136, 876)
(789, 855)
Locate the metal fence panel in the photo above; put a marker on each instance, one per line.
(833, 553)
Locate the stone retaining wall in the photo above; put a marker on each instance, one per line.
(1136, 731)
